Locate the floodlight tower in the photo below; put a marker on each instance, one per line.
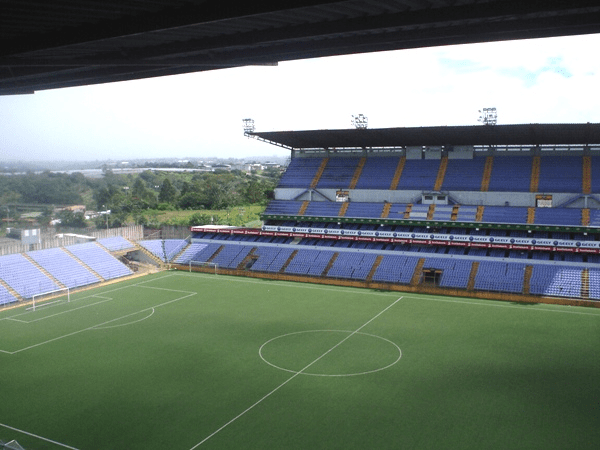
(248, 126)
(488, 116)
(360, 122)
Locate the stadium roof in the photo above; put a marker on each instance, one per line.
(48, 44)
(529, 134)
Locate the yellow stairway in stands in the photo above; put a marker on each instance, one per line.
(479, 213)
(430, 212)
(587, 175)
(330, 264)
(343, 209)
(585, 217)
(535, 174)
(44, 271)
(487, 173)
(472, 275)
(305, 204)
(585, 283)
(530, 215)
(416, 278)
(454, 213)
(100, 277)
(215, 254)
(527, 279)
(374, 267)
(14, 293)
(441, 174)
(181, 252)
(386, 210)
(357, 172)
(320, 171)
(289, 260)
(398, 173)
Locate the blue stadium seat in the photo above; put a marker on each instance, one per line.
(24, 277)
(63, 267)
(99, 260)
(464, 174)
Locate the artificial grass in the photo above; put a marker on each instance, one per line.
(177, 362)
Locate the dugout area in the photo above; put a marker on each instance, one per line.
(190, 360)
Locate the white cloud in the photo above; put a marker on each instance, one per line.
(542, 80)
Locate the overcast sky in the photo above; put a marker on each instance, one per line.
(554, 80)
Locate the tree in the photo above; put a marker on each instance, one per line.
(191, 200)
(185, 188)
(70, 219)
(254, 192)
(141, 196)
(167, 192)
(201, 219)
(46, 216)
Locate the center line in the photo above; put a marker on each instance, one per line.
(294, 376)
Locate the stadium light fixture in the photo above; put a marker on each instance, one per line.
(488, 116)
(248, 126)
(360, 122)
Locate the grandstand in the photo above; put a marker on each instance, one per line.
(513, 214)
(518, 221)
(49, 272)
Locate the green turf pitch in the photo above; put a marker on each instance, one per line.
(184, 361)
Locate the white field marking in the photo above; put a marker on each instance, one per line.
(38, 437)
(163, 289)
(16, 320)
(46, 304)
(97, 325)
(492, 302)
(68, 311)
(331, 375)
(98, 295)
(290, 284)
(293, 376)
(501, 304)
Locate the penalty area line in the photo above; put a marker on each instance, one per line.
(294, 376)
(38, 437)
(103, 324)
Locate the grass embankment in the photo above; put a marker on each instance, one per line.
(248, 215)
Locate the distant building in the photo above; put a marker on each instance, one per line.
(74, 208)
(26, 237)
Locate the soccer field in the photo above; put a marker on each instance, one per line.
(185, 361)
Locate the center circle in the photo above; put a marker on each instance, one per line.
(330, 353)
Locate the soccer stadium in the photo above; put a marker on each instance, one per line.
(398, 295)
(410, 288)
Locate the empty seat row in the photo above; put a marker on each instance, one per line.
(164, 249)
(69, 266)
(465, 213)
(562, 173)
(99, 260)
(492, 275)
(24, 277)
(6, 298)
(116, 243)
(64, 267)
